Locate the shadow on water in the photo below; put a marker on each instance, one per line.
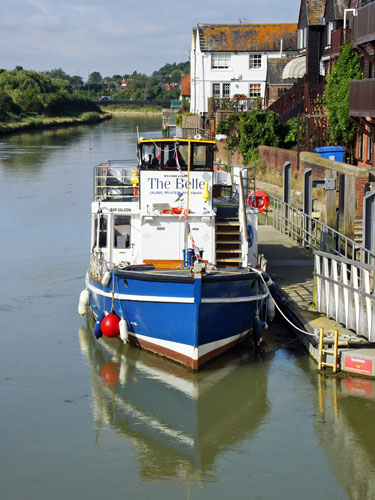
(180, 421)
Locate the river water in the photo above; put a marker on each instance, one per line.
(86, 419)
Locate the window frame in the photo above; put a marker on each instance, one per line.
(258, 85)
(221, 60)
(253, 56)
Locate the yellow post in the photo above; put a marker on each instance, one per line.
(335, 350)
(321, 338)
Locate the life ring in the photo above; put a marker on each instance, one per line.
(259, 199)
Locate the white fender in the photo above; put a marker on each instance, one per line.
(123, 331)
(83, 302)
(271, 310)
(106, 278)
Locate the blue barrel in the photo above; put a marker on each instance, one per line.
(335, 153)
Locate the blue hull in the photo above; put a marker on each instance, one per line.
(188, 320)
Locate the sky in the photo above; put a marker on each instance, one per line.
(117, 36)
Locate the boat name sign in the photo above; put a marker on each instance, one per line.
(171, 187)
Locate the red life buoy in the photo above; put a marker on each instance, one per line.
(259, 199)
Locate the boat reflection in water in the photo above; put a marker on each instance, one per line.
(180, 421)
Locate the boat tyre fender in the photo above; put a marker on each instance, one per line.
(98, 329)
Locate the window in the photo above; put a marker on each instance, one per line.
(226, 90)
(369, 149)
(254, 90)
(220, 60)
(281, 91)
(255, 61)
(360, 146)
(216, 90)
(329, 33)
(302, 38)
(121, 230)
(100, 234)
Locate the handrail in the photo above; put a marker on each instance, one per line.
(243, 221)
(313, 234)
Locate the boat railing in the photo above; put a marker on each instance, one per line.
(116, 180)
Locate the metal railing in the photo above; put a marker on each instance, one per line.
(312, 233)
(112, 181)
(346, 293)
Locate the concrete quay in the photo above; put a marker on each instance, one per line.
(291, 268)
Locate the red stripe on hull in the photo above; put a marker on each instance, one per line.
(192, 364)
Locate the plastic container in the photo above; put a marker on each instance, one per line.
(335, 153)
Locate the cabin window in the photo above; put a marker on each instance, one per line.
(101, 231)
(302, 38)
(121, 231)
(255, 61)
(151, 156)
(220, 60)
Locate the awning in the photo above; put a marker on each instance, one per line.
(295, 68)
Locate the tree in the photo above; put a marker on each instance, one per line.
(95, 77)
(346, 69)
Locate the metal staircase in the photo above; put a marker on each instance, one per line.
(228, 237)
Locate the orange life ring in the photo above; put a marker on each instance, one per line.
(259, 199)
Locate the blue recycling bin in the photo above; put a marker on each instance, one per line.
(335, 153)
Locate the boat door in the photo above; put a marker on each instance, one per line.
(121, 239)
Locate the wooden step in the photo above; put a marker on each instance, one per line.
(228, 250)
(228, 242)
(229, 259)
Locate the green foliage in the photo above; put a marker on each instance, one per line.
(258, 127)
(8, 109)
(231, 128)
(346, 69)
(95, 77)
(179, 118)
(290, 133)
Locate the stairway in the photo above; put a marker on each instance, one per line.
(228, 237)
(358, 231)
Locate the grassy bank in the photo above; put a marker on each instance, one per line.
(41, 122)
(132, 109)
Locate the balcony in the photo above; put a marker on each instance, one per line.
(362, 98)
(337, 39)
(363, 29)
(237, 105)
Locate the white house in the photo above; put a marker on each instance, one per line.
(230, 59)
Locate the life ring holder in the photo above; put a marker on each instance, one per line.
(259, 199)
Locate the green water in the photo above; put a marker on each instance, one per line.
(99, 420)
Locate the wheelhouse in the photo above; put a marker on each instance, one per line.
(168, 154)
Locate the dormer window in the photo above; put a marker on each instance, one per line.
(220, 60)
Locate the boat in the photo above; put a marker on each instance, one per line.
(174, 264)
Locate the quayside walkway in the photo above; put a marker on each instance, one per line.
(291, 268)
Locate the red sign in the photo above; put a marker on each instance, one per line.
(358, 365)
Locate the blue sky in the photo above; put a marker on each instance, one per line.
(113, 36)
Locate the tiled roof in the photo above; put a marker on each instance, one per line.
(340, 6)
(275, 71)
(315, 12)
(247, 37)
(185, 85)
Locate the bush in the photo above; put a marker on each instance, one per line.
(258, 127)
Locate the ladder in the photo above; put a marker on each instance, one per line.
(323, 352)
